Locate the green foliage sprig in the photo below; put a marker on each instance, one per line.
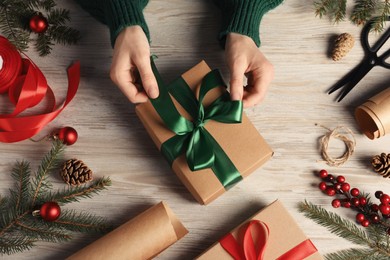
(14, 24)
(20, 230)
(373, 241)
(362, 11)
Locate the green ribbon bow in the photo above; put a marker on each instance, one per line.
(201, 149)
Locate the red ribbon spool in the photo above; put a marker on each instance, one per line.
(27, 87)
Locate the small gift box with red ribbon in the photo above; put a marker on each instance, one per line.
(270, 234)
(208, 140)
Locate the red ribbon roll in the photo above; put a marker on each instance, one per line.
(27, 87)
(247, 249)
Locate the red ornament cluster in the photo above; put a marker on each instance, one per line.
(368, 213)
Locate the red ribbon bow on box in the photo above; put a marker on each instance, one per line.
(27, 86)
(247, 250)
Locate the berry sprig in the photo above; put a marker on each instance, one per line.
(368, 213)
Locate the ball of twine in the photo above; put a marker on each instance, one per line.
(344, 134)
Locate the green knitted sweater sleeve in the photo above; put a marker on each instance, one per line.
(243, 17)
(117, 14)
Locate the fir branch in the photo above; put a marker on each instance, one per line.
(15, 244)
(344, 228)
(64, 35)
(21, 174)
(363, 11)
(355, 254)
(40, 184)
(81, 222)
(73, 194)
(59, 16)
(335, 224)
(37, 231)
(43, 44)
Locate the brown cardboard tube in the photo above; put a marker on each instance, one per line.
(373, 117)
(143, 237)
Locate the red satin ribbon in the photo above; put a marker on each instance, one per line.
(247, 250)
(27, 87)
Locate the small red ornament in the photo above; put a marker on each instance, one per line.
(345, 187)
(68, 135)
(384, 209)
(330, 191)
(38, 23)
(322, 185)
(340, 179)
(49, 211)
(365, 223)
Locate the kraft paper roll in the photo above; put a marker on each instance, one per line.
(373, 117)
(143, 237)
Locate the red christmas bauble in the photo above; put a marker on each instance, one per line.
(68, 135)
(38, 23)
(50, 211)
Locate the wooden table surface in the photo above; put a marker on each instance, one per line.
(113, 142)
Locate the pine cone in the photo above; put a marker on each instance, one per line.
(343, 45)
(75, 172)
(381, 164)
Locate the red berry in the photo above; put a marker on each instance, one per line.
(355, 192)
(362, 201)
(360, 217)
(340, 179)
(336, 203)
(345, 187)
(346, 204)
(385, 199)
(365, 223)
(337, 186)
(330, 191)
(330, 177)
(375, 207)
(323, 173)
(322, 186)
(355, 202)
(375, 218)
(384, 209)
(378, 194)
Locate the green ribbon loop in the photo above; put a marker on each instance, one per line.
(201, 149)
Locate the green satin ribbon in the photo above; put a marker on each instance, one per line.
(201, 149)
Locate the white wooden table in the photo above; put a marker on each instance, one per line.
(113, 142)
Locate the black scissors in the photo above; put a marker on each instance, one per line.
(371, 59)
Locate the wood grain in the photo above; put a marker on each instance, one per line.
(113, 142)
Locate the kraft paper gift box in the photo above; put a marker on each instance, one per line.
(143, 237)
(273, 232)
(244, 146)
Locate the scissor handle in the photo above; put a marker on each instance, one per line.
(384, 57)
(366, 30)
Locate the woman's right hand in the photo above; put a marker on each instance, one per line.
(131, 62)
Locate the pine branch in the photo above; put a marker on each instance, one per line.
(73, 194)
(81, 222)
(43, 44)
(363, 11)
(21, 174)
(344, 228)
(36, 231)
(341, 227)
(20, 229)
(355, 254)
(64, 35)
(59, 16)
(40, 184)
(13, 245)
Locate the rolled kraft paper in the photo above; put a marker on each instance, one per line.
(373, 117)
(143, 237)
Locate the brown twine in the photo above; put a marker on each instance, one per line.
(341, 133)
